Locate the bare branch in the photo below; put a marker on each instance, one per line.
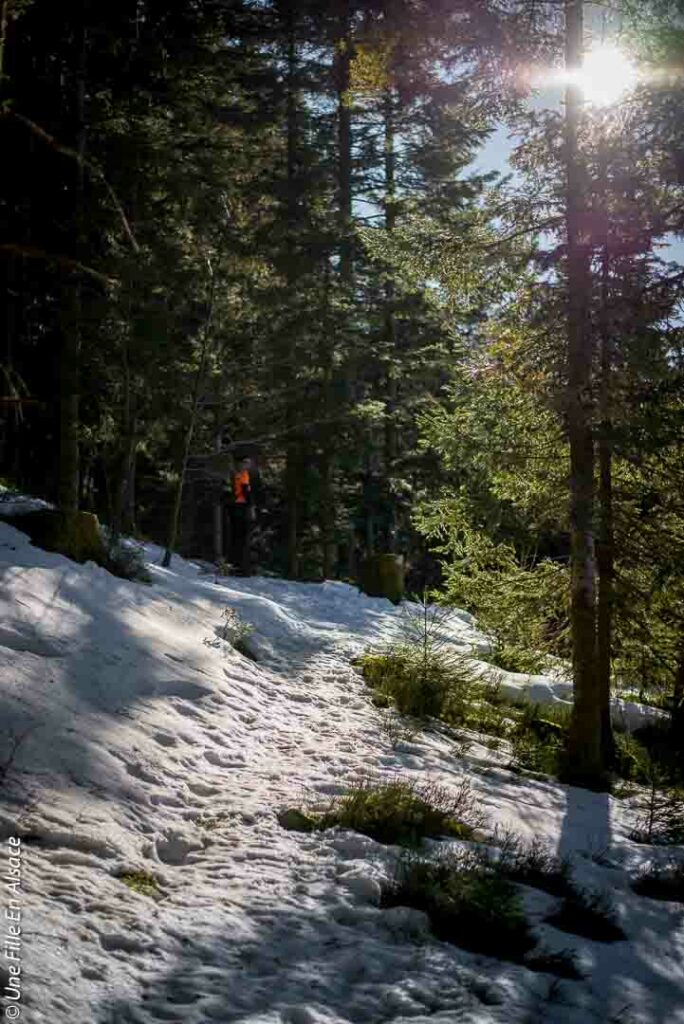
(89, 165)
(32, 252)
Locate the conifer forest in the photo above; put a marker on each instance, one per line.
(302, 289)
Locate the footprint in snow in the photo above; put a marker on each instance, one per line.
(220, 762)
(119, 941)
(93, 972)
(174, 848)
(202, 789)
(188, 710)
(181, 688)
(165, 739)
(167, 800)
(301, 698)
(138, 771)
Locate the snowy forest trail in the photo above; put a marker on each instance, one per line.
(156, 750)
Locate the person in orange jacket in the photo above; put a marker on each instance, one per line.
(243, 515)
(241, 484)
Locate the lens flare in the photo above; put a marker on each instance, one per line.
(606, 75)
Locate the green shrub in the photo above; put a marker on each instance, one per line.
(404, 814)
(661, 815)
(421, 674)
(479, 715)
(467, 903)
(236, 632)
(127, 561)
(295, 820)
(140, 881)
(632, 760)
(588, 914)
(664, 757)
(419, 684)
(662, 882)
(512, 658)
(538, 738)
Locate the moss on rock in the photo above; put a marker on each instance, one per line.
(383, 576)
(74, 534)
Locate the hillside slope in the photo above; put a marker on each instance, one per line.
(148, 747)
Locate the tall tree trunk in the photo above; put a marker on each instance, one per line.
(344, 142)
(584, 760)
(326, 462)
(390, 320)
(125, 454)
(677, 724)
(219, 499)
(605, 549)
(69, 385)
(129, 518)
(327, 471)
(4, 19)
(174, 521)
(293, 453)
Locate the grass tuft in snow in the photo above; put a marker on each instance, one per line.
(236, 632)
(232, 631)
(467, 902)
(662, 882)
(534, 864)
(295, 820)
(589, 914)
(563, 964)
(404, 814)
(433, 683)
(396, 729)
(396, 813)
(140, 881)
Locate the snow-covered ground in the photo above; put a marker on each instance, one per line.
(153, 747)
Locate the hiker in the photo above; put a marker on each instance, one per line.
(242, 516)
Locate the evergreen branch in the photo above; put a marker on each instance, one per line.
(552, 222)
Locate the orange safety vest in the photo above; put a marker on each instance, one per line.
(240, 481)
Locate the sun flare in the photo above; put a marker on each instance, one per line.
(606, 75)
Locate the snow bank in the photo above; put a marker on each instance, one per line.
(147, 746)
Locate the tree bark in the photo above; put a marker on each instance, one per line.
(677, 724)
(390, 319)
(218, 501)
(69, 385)
(4, 17)
(584, 756)
(125, 455)
(344, 142)
(292, 454)
(174, 521)
(605, 550)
